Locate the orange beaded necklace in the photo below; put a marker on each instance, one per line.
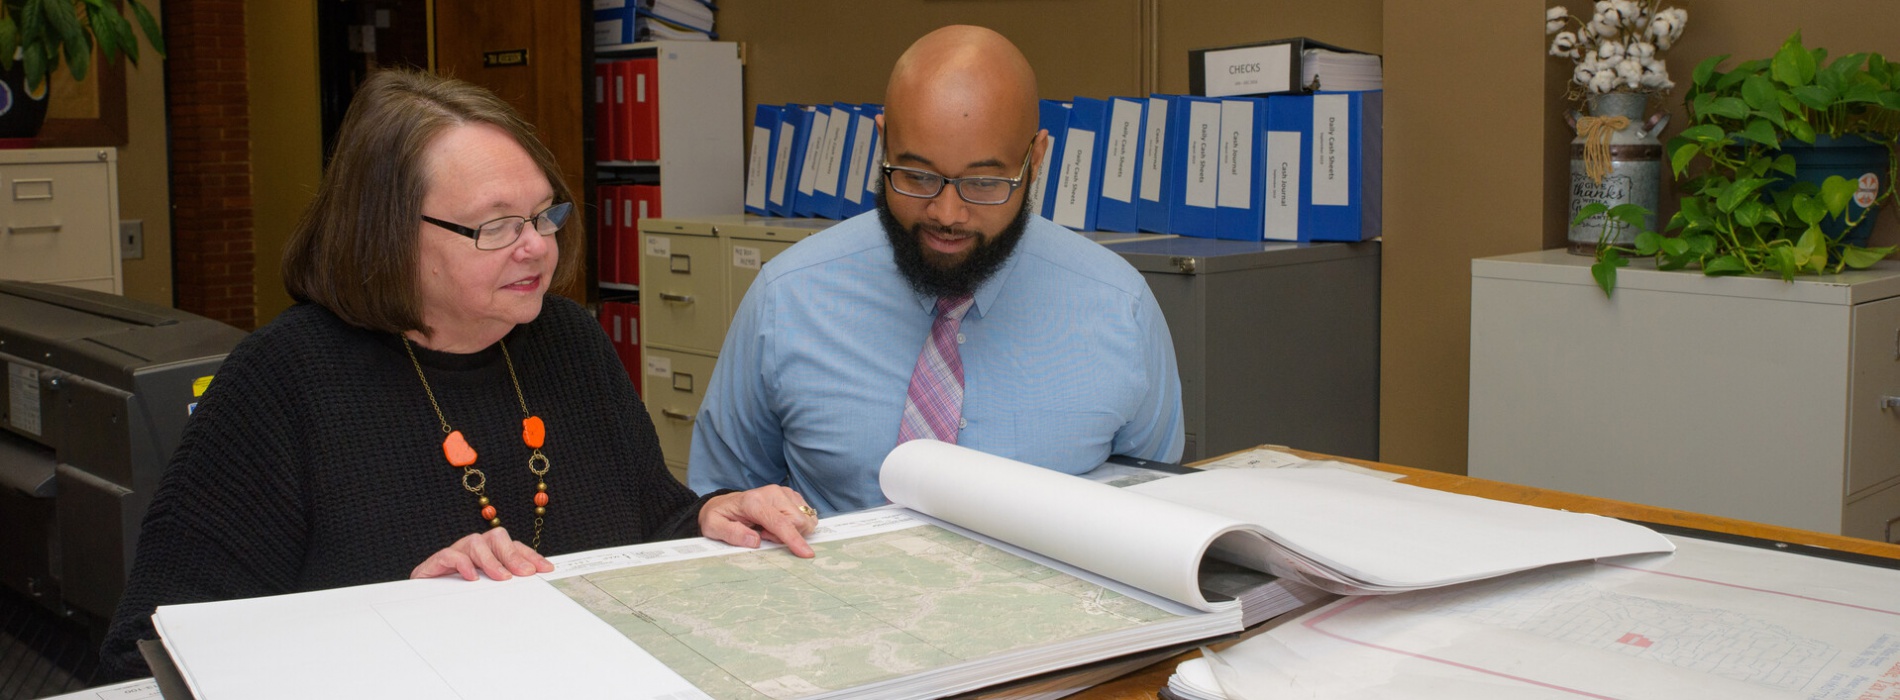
(461, 456)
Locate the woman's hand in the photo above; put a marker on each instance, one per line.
(493, 553)
(776, 513)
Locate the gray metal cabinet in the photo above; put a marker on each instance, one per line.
(1752, 398)
(1277, 342)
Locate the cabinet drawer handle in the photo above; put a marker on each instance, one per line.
(676, 298)
(45, 228)
(675, 415)
(1888, 403)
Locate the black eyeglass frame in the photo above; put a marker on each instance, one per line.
(957, 182)
(556, 215)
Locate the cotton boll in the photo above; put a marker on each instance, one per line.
(1603, 81)
(1610, 50)
(1641, 50)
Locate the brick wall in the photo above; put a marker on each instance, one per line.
(213, 257)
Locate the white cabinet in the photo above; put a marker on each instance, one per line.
(59, 217)
(1751, 398)
(701, 168)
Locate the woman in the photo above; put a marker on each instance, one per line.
(426, 409)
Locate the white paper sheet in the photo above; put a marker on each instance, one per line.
(1713, 620)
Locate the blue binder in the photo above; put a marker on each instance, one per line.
(1079, 181)
(1121, 165)
(1240, 204)
(759, 168)
(1155, 186)
(1053, 117)
(837, 165)
(1289, 160)
(859, 193)
(809, 196)
(1344, 190)
(1193, 150)
(794, 134)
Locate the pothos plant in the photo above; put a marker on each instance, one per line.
(1743, 211)
(42, 33)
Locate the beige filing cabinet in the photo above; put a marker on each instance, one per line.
(60, 219)
(750, 245)
(1752, 398)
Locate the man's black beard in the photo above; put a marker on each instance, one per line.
(984, 259)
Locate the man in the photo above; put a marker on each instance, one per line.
(952, 314)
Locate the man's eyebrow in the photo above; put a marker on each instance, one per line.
(910, 158)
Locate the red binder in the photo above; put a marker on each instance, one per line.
(603, 111)
(647, 201)
(643, 106)
(629, 215)
(630, 313)
(607, 236)
(622, 118)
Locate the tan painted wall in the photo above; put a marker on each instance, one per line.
(145, 179)
(286, 136)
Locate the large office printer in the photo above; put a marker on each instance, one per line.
(98, 389)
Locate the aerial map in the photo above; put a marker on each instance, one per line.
(761, 624)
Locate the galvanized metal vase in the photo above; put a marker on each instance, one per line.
(1634, 169)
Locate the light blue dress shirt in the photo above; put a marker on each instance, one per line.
(1066, 360)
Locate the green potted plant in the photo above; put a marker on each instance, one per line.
(1749, 205)
(36, 36)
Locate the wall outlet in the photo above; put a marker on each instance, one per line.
(132, 239)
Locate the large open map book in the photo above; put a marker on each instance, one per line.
(990, 571)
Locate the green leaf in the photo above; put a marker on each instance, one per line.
(1784, 164)
(149, 24)
(1781, 259)
(1760, 131)
(1749, 213)
(1705, 134)
(1801, 130)
(1724, 265)
(9, 40)
(1706, 69)
(1674, 247)
(1758, 92)
(1812, 245)
(35, 69)
(1604, 269)
(1648, 242)
(1793, 65)
(1733, 195)
(1810, 211)
(1681, 154)
(1837, 192)
(1862, 258)
(1589, 210)
(1815, 97)
(102, 32)
(1731, 107)
(1700, 245)
(1632, 215)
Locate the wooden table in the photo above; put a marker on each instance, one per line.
(1142, 684)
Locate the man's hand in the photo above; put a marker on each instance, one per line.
(776, 513)
(493, 553)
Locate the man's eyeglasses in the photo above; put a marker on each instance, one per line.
(503, 232)
(924, 184)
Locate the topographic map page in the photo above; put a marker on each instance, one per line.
(1713, 620)
(893, 606)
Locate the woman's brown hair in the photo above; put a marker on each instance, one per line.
(354, 251)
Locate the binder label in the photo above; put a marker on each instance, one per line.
(787, 133)
(746, 257)
(814, 147)
(1118, 172)
(1156, 149)
(1236, 154)
(659, 247)
(1202, 169)
(1250, 70)
(854, 178)
(755, 170)
(1283, 186)
(1332, 145)
(1072, 191)
(835, 129)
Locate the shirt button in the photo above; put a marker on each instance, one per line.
(962, 423)
(959, 338)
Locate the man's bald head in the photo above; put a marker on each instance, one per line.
(963, 77)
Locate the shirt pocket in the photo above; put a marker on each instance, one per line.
(1064, 440)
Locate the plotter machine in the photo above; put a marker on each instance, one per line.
(98, 388)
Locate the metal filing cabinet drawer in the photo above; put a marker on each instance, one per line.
(59, 221)
(682, 286)
(675, 384)
(750, 246)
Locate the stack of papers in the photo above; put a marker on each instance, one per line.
(677, 20)
(1335, 71)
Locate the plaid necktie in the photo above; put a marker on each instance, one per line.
(934, 405)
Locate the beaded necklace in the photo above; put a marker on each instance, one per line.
(460, 455)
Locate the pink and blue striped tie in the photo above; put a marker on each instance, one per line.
(934, 405)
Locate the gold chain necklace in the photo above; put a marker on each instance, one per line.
(461, 456)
